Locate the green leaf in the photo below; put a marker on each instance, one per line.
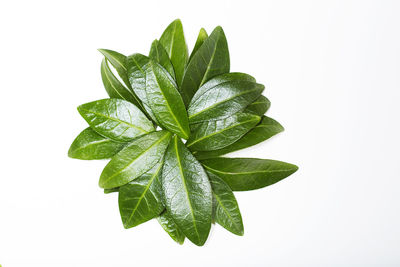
(135, 159)
(213, 135)
(210, 60)
(259, 106)
(243, 174)
(111, 190)
(165, 101)
(90, 145)
(168, 224)
(137, 64)
(263, 131)
(222, 99)
(227, 213)
(187, 192)
(119, 63)
(200, 40)
(174, 43)
(114, 88)
(116, 119)
(140, 200)
(159, 55)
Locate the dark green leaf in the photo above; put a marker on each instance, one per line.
(242, 174)
(140, 200)
(137, 64)
(170, 227)
(174, 43)
(200, 40)
(213, 135)
(263, 131)
(116, 119)
(135, 159)
(227, 213)
(165, 101)
(111, 190)
(187, 192)
(159, 55)
(114, 88)
(222, 99)
(90, 145)
(259, 106)
(211, 59)
(119, 62)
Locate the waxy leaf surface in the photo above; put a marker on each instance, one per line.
(168, 224)
(223, 100)
(213, 135)
(259, 106)
(135, 159)
(264, 130)
(227, 213)
(200, 40)
(90, 145)
(242, 174)
(159, 55)
(165, 101)
(114, 87)
(118, 61)
(174, 43)
(187, 192)
(140, 200)
(211, 59)
(116, 119)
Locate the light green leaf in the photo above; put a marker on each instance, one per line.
(90, 145)
(227, 213)
(243, 174)
(118, 61)
(116, 119)
(259, 106)
(140, 200)
(210, 60)
(213, 135)
(200, 40)
(135, 159)
(159, 55)
(114, 88)
(263, 131)
(222, 99)
(187, 192)
(174, 43)
(165, 101)
(168, 224)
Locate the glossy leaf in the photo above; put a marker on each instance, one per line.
(137, 64)
(165, 101)
(266, 129)
(242, 174)
(118, 61)
(111, 190)
(135, 159)
(187, 192)
(213, 135)
(227, 213)
(259, 106)
(90, 145)
(159, 55)
(140, 200)
(114, 88)
(200, 40)
(222, 100)
(116, 119)
(168, 224)
(174, 43)
(210, 60)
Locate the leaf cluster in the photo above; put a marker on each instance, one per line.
(169, 118)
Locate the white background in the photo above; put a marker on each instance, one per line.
(331, 69)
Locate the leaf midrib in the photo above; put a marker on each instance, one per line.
(119, 63)
(226, 212)
(241, 173)
(209, 63)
